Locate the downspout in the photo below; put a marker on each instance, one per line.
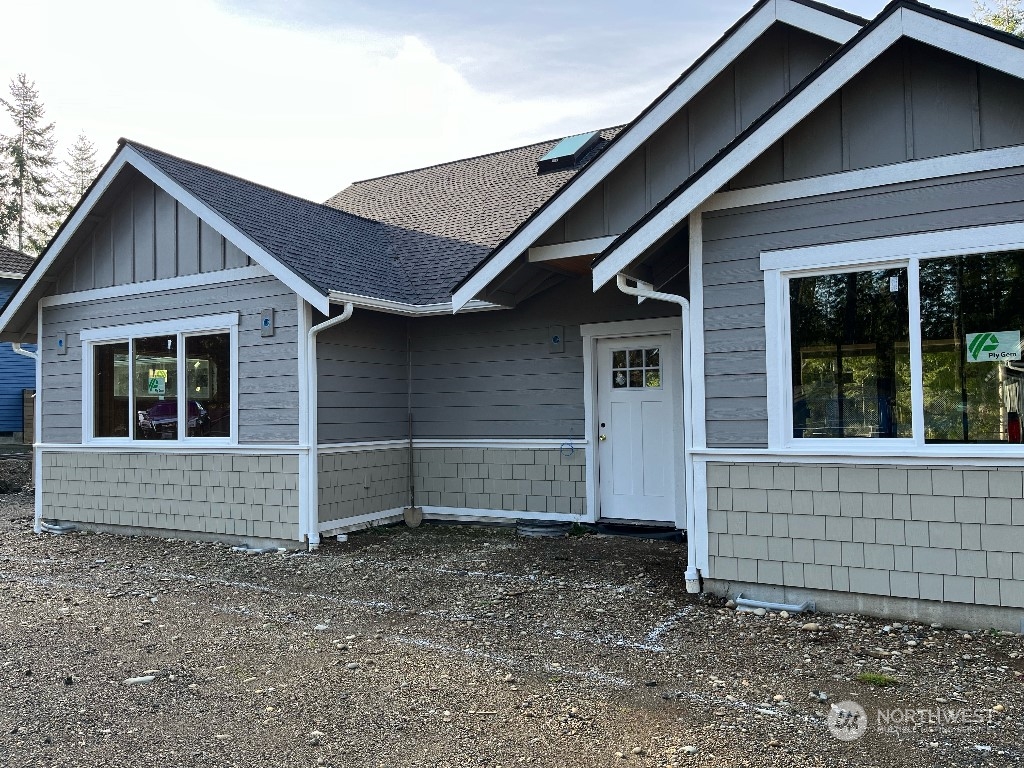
(408, 376)
(642, 291)
(310, 522)
(16, 348)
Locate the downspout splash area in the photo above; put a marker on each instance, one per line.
(646, 291)
(309, 517)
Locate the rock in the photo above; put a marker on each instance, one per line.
(811, 627)
(620, 755)
(774, 743)
(352, 665)
(819, 696)
(143, 680)
(784, 614)
(321, 628)
(690, 750)
(998, 708)
(778, 697)
(730, 603)
(638, 750)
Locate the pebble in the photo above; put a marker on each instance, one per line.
(321, 628)
(778, 697)
(690, 750)
(638, 750)
(819, 696)
(784, 614)
(352, 665)
(730, 603)
(774, 743)
(811, 627)
(998, 708)
(144, 680)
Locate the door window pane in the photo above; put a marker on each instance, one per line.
(110, 390)
(156, 388)
(972, 315)
(208, 370)
(636, 368)
(850, 355)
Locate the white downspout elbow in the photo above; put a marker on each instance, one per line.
(16, 348)
(310, 516)
(646, 291)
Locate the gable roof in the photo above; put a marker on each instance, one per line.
(14, 264)
(445, 218)
(899, 19)
(814, 17)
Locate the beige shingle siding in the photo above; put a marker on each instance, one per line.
(941, 533)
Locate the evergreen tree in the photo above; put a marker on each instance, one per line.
(78, 172)
(1007, 15)
(29, 156)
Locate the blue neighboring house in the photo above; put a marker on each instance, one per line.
(17, 372)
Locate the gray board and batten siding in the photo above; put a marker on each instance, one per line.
(476, 375)
(144, 235)
(734, 312)
(768, 69)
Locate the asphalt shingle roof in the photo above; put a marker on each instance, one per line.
(409, 237)
(14, 261)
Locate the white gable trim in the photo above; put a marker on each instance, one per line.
(11, 275)
(787, 11)
(904, 22)
(576, 248)
(248, 246)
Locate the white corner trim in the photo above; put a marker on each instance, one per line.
(177, 325)
(719, 173)
(695, 365)
(897, 249)
(609, 330)
(252, 249)
(401, 308)
(868, 178)
(157, 286)
(634, 135)
(571, 250)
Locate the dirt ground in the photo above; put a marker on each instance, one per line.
(457, 646)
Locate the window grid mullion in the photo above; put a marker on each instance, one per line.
(916, 353)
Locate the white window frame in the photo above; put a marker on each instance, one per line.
(192, 326)
(779, 267)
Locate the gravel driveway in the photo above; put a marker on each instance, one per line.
(456, 646)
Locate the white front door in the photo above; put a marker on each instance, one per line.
(637, 380)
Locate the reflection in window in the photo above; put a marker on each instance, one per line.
(636, 368)
(851, 354)
(972, 314)
(156, 388)
(207, 370)
(110, 388)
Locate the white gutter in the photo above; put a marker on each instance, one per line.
(16, 348)
(646, 291)
(400, 308)
(309, 516)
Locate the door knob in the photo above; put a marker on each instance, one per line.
(602, 438)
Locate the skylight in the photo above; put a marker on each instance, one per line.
(568, 152)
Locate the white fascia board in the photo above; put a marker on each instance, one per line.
(228, 230)
(400, 308)
(963, 42)
(12, 275)
(776, 126)
(70, 227)
(633, 136)
(576, 248)
(868, 178)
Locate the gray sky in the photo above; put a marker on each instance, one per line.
(309, 95)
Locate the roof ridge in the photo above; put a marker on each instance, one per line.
(477, 157)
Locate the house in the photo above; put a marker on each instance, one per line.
(17, 372)
(778, 310)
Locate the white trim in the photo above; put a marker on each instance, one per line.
(512, 443)
(369, 445)
(938, 456)
(879, 253)
(227, 229)
(12, 275)
(634, 136)
(571, 250)
(897, 249)
(458, 513)
(669, 323)
(180, 328)
(695, 365)
(719, 173)
(869, 178)
(963, 42)
(345, 524)
(401, 308)
(156, 286)
(160, 446)
(308, 462)
(159, 327)
(37, 428)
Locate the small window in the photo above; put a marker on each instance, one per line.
(636, 368)
(146, 387)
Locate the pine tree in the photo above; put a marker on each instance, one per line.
(29, 156)
(77, 174)
(1007, 15)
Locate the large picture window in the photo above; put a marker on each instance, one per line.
(928, 351)
(176, 385)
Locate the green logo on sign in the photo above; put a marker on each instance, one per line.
(982, 342)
